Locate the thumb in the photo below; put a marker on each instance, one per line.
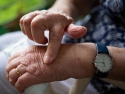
(76, 31)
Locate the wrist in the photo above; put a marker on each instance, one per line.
(88, 53)
(76, 60)
(80, 57)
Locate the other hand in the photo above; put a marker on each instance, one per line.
(35, 23)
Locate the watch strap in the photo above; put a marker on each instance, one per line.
(101, 48)
(101, 75)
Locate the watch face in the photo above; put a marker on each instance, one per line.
(103, 62)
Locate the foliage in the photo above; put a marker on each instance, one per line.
(11, 10)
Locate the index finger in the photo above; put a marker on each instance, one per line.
(39, 25)
(55, 38)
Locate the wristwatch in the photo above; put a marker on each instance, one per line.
(103, 61)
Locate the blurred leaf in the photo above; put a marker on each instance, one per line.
(10, 9)
(3, 30)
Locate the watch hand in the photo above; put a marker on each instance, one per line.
(104, 64)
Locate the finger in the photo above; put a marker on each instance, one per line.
(21, 24)
(56, 35)
(12, 77)
(7, 75)
(27, 24)
(15, 55)
(11, 81)
(38, 26)
(76, 31)
(14, 74)
(25, 81)
(12, 64)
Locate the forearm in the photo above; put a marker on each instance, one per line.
(80, 57)
(118, 56)
(74, 8)
(76, 60)
(89, 53)
(72, 61)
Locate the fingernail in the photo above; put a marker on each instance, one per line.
(85, 28)
(46, 59)
(10, 79)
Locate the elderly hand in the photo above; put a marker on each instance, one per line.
(35, 23)
(27, 68)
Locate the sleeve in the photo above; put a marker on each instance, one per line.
(115, 8)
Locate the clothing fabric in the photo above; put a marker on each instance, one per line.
(5, 86)
(105, 24)
(115, 8)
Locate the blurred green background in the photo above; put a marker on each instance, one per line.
(12, 10)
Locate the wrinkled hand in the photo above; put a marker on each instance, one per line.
(35, 23)
(29, 64)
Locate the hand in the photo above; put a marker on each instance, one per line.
(70, 62)
(35, 23)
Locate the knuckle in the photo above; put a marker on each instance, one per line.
(27, 21)
(44, 11)
(11, 73)
(70, 19)
(56, 37)
(34, 24)
(38, 23)
(22, 67)
(36, 11)
(26, 60)
(56, 17)
(22, 19)
(61, 17)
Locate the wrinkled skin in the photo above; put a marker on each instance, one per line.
(30, 64)
(35, 23)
